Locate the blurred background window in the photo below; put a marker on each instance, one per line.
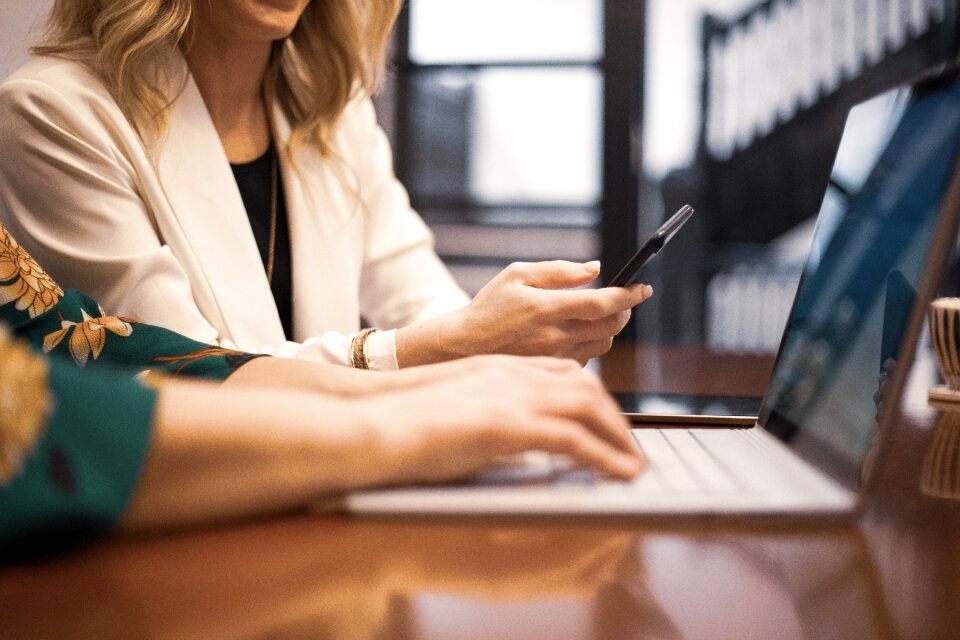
(496, 115)
(484, 31)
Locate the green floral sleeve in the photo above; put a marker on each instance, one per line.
(72, 444)
(74, 325)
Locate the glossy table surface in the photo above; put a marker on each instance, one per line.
(892, 573)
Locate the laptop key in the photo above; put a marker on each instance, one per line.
(751, 461)
(709, 475)
(670, 470)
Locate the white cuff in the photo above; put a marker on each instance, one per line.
(381, 350)
(380, 347)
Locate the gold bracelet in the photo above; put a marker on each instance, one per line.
(358, 351)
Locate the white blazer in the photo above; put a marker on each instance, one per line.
(158, 231)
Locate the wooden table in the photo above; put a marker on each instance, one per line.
(893, 574)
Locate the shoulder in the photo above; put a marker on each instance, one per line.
(48, 94)
(46, 76)
(52, 99)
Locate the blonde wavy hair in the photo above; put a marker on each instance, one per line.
(336, 51)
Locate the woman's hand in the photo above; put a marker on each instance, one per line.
(528, 309)
(497, 406)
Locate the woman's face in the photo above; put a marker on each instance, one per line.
(241, 21)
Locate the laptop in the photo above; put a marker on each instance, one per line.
(882, 239)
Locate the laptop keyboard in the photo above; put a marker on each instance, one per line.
(686, 461)
(679, 461)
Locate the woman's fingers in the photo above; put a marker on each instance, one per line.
(594, 408)
(582, 340)
(579, 397)
(552, 434)
(583, 447)
(553, 274)
(586, 321)
(588, 330)
(596, 303)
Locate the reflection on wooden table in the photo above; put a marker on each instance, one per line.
(319, 577)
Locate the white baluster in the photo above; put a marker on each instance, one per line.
(873, 38)
(716, 101)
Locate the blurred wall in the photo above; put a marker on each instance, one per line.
(20, 24)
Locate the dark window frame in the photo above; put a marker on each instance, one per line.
(621, 69)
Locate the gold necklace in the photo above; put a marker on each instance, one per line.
(273, 215)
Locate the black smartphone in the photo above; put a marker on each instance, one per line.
(651, 246)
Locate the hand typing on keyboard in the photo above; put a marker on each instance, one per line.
(496, 406)
(533, 467)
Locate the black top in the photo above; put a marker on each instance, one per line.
(255, 182)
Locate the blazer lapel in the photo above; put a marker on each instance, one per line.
(326, 237)
(226, 272)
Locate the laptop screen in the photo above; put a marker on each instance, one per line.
(873, 234)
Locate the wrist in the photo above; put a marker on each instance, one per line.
(431, 341)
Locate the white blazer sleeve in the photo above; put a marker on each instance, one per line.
(403, 281)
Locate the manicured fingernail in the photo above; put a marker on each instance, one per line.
(647, 291)
(593, 265)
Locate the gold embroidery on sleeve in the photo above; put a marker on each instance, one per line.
(24, 404)
(26, 283)
(199, 354)
(88, 337)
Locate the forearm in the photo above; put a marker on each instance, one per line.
(328, 378)
(220, 454)
(291, 373)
